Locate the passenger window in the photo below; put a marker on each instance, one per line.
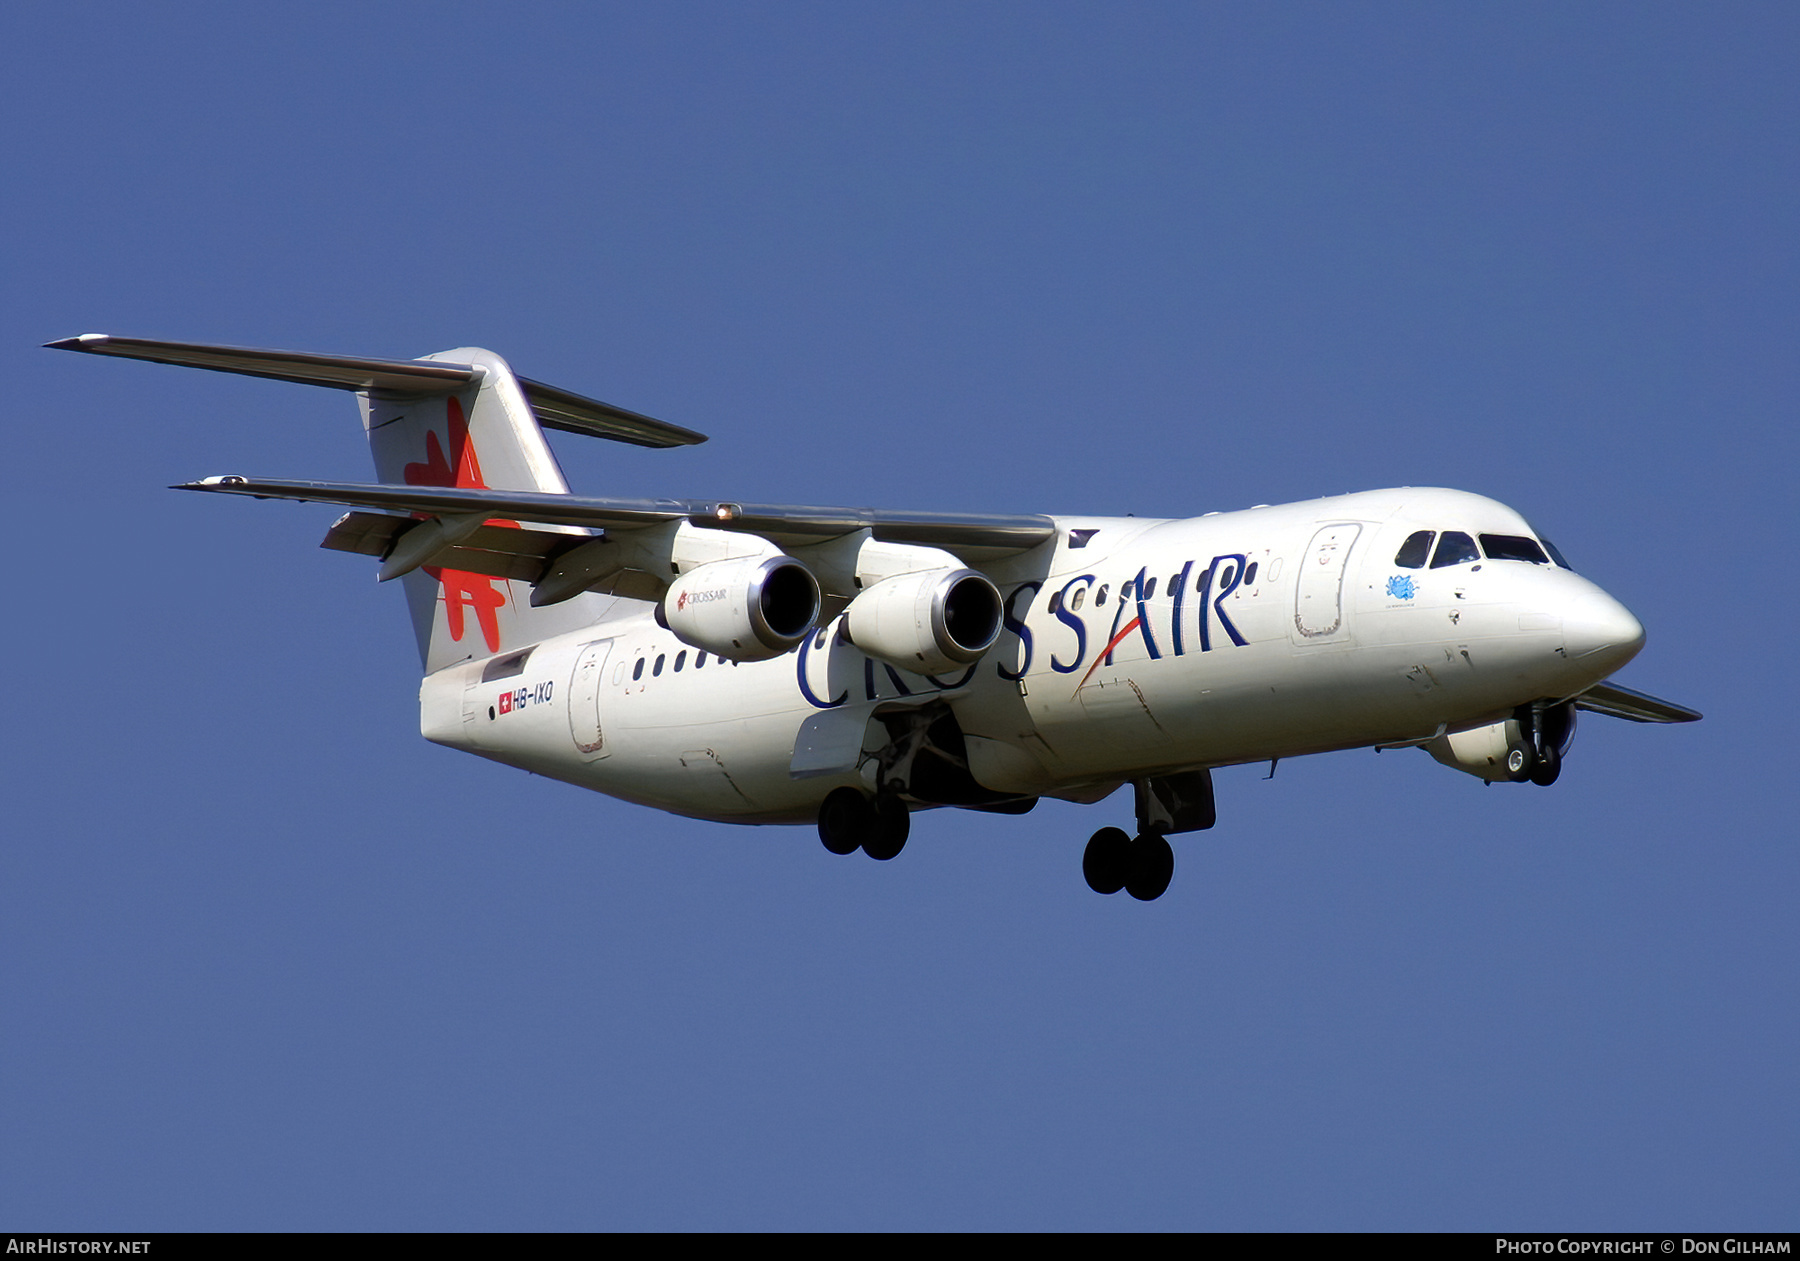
(1076, 599)
(1455, 548)
(637, 671)
(699, 660)
(1056, 603)
(680, 660)
(1413, 552)
(658, 670)
(1513, 547)
(1250, 574)
(1226, 575)
(1204, 578)
(1150, 589)
(1100, 596)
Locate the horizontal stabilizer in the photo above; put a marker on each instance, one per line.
(571, 413)
(1623, 702)
(554, 408)
(990, 535)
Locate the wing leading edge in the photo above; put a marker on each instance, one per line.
(1633, 706)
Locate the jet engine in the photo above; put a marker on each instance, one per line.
(930, 622)
(748, 609)
(1529, 745)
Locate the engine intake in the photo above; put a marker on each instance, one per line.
(929, 622)
(749, 609)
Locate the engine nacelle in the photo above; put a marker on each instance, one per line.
(930, 622)
(1499, 753)
(749, 609)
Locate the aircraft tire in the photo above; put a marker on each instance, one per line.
(845, 818)
(1152, 867)
(890, 824)
(1546, 767)
(1519, 763)
(1106, 860)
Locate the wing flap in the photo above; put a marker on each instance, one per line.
(365, 533)
(1633, 706)
(494, 550)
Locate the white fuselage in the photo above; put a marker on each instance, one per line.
(1131, 647)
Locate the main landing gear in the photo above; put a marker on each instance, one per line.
(850, 820)
(1142, 867)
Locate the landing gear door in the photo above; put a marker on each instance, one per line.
(584, 700)
(1319, 590)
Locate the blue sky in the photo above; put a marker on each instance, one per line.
(268, 960)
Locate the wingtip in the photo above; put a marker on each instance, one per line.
(86, 341)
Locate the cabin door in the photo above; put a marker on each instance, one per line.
(584, 699)
(1319, 591)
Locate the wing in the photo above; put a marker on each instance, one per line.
(784, 525)
(1623, 702)
(557, 556)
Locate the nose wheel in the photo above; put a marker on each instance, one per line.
(1546, 766)
(1544, 736)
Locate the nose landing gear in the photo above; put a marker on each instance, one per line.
(1545, 733)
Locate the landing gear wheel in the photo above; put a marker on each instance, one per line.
(844, 820)
(1546, 767)
(889, 827)
(1519, 763)
(1106, 860)
(1152, 867)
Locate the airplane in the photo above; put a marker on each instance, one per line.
(763, 664)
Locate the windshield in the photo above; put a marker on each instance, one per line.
(1513, 547)
(1455, 548)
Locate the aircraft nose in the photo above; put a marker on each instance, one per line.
(1598, 630)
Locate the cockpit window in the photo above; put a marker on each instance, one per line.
(1513, 547)
(1556, 555)
(1415, 550)
(1455, 548)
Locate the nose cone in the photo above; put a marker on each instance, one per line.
(1601, 633)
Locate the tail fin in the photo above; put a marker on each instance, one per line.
(482, 436)
(462, 419)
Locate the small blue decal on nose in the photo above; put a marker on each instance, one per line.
(1401, 587)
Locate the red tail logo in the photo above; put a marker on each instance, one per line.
(460, 469)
